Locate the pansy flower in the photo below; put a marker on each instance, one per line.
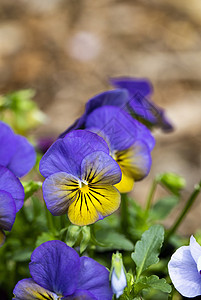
(118, 97)
(59, 273)
(16, 153)
(185, 269)
(140, 104)
(80, 175)
(130, 143)
(131, 95)
(11, 200)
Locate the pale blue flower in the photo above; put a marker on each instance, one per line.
(185, 269)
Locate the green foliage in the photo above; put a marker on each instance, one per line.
(162, 208)
(20, 111)
(45, 237)
(113, 241)
(31, 187)
(152, 282)
(148, 248)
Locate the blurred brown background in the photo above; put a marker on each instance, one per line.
(67, 49)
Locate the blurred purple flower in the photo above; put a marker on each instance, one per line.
(131, 95)
(16, 153)
(11, 200)
(185, 269)
(59, 273)
(139, 103)
(44, 143)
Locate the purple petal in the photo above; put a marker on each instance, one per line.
(8, 144)
(140, 104)
(81, 295)
(29, 290)
(66, 154)
(11, 184)
(144, 134)
(7, 210)
(59, 191)
(100, 168)
(55, 267)
(133, 85)
(146, 109)
(195, 249)
(94, 278)
(118, 97)
(24, 158)
(184, 274)
(117, 125)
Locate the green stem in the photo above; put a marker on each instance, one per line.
(50, 222)
(188, 205)
(124, 212)
(150, 196)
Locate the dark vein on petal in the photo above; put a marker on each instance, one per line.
(96, 198)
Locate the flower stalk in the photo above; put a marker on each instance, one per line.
(183, 213)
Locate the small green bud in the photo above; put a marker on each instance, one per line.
(172, 181)
(86, 236)
(72, 235)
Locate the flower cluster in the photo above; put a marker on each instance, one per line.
(17, 157)
(131, 95)
(59, 273)
(105, 151)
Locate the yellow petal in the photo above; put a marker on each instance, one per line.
(126, 184)
(97, 203)
(135, 161)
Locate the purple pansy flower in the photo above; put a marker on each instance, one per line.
(131, 95)
(16, 153)
(80, 175)
(130, 142)
(11, 200)
(185, 269)
(139, 103)
(59, 273)
(117, 97)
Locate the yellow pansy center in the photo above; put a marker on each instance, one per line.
(83, 185)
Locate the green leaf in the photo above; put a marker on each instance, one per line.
(113, 241)
(31, 187)
(163, 207)
(152, 282)
(45, 237)
(147, 250)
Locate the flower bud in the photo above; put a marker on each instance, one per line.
(118, 276)
(172, 181)
(72, 235)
